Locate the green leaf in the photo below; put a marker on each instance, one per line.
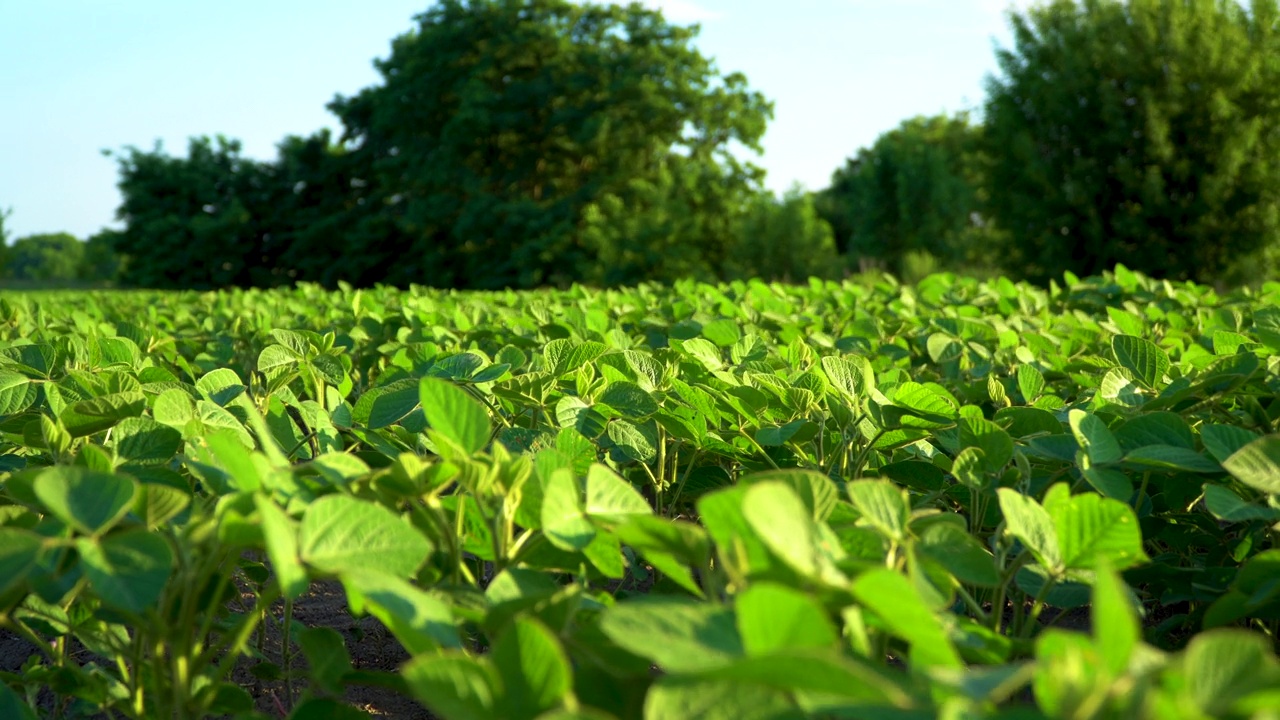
(679, 634)
(91, 502)
(991, 439)
(892, 597)
(389, 404)
(1142, 357)
(1225, 664)
(454, 686)
(174, 407)
(883, 505)
(564, 514)
(611, 498)
(782, 523)
(822, 672)
(704, 352)
(280, 534)
(127, 571)
(629, 400)
(677, 698)
(1094, 437)
(274, 360)
(1115, 624)
(17, 392)
(534, 669)
(1222, 441)
(1024, 421)
(1225, 505)
(917, 406)
(156, 504)
(421, 622)
(849, 375)
(818, 493)
(94, 415)
(340, 533)
(774, 617)
(19, 550)
(1257, 464)
(143, 441)
(1168, 458)
(1026, 520)
(12, 706)
(1030, 382)
(456, 415)
(327, 657)
(952, 547)
(638, 442)
(1092, 529)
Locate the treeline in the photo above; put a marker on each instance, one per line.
(56, 258)
(517, 143)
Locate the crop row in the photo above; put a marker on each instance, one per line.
(958, 498)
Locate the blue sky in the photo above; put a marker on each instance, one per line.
(80, 76)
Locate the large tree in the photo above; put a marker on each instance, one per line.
(513, 143)
(916, 190)
(196, 222)
(1145, 132)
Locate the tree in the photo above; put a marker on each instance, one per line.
(1146, 132)
(51, 257)
(784, 239)
(101, 262)
(195, 222)
(521, 142)
(917, 190)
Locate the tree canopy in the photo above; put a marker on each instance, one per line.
(1145, 132)
(917, 189)
(510, 143)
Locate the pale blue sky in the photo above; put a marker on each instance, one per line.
(78, 76)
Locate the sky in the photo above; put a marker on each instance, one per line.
(81, 76)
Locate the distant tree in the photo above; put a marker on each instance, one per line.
(52, 257)
(784, 239)
(195, 222)
(4, 240)
(1145, 132)
(518, 143)
(101, 262)
(917, 190)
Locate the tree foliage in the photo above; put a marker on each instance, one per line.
(194, 222)
(1145, 132)
(47, 257)
(784, 239)
(916, 191)
(510, 143)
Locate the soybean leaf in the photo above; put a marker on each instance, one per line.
(892, 597)
(454, 414)
(679, 634)
(1142, 357)
(534, 669)
(91, 502)
(94, 415)
(127, 571)
(422, 622)
(340, 533)
(611, 498)
(1094, 437)
(1257, 464)
(773, 617)
(454, 686)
